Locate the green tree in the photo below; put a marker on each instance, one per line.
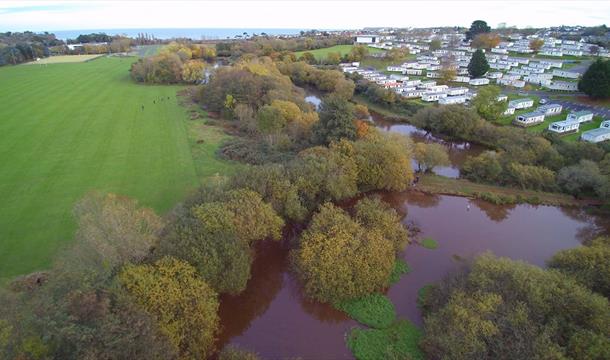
(587, 264)
(483, 168)
(430, 155)
(478, 65)
(184, 306)
(336, 121)
(477, 27)
(339, 259)
(435, 44)
(582, 178)
(270, 122)
(595, 81)
(333, 58)
(487, 105)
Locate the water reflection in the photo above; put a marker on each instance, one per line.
(458, 151)
(274, 319)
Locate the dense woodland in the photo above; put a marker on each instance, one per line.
(16, 48)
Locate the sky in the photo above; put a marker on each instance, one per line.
(297, 14)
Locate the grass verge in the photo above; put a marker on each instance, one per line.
(400, 268)
(398, 341)
(374, 310)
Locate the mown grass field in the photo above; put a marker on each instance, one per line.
(67, 129)
(64, 59)
(322, 53)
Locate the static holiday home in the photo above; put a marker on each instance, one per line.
(580, 116)
(521, 103)
(529, 119)
(597, 135)
(565, 126)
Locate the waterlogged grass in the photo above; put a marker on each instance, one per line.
(429, 243)
(374, 310)
(400, 268)
(398, 341)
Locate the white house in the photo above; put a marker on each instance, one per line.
(399, 69)
(494, 75)
(479, 81)
(461, 79)
(433, 75)
(551, 109)
(453, 100)
(414, 82)
(564, 126)
(531, 118)
(457, 91)
(501, 97)
(521, 103)
(596, 135)
(367, 39)
(413, 72)
(563, 85)
(426, 84)
(433, 96)
(437, 88)
(413, 93)
(580, 116)
(566, 74)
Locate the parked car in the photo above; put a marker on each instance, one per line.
(543, 101)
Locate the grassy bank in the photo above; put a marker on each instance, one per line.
(68, 129)
(434, 184)
(322, 53)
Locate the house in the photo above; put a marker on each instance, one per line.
(530, 118)
(437, 88)
(551, 52)
(413, 72)
(596, 135)
(509, 111)
(433, 96)
(457, 91)
(563, 86)
(494, 75)
(521, 103)
(550, 109)
(453, 100)
(413, 93)
(400, 78)
(399, 69)
(426, 84)
(565, 126)
(566, 74)
(461, 79)
(367, 39)
(580, 116)
(502, 97)
(433, 75)
(479, 81)
(411, 82)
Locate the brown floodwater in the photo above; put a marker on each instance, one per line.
(273, 318)
(458, 151)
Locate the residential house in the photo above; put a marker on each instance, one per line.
(521, 103)
(433, 96)
(479, 81)
(566, 74)
(530, 118)
(453, 100)
(580, 116)
(597, 135)
(461, 79)
(550, 109)
(501, 97)
(509, 111)
(563, 86)
(564, 126)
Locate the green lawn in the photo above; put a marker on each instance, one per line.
(322, 53)
(67, 129)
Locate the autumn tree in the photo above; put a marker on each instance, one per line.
(397, 53)
(372, 213)
(435, 44)
(486, 41)
(503, 309)
(384, 162)
(428, 156)
(487, 105)
(536, 44)
(184, 305)
(333, 58)
(357, 53)
(216, 236)
(192, 71)
(308, 58)
(587, 264)
(339, 259)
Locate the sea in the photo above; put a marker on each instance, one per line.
(192, 33)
